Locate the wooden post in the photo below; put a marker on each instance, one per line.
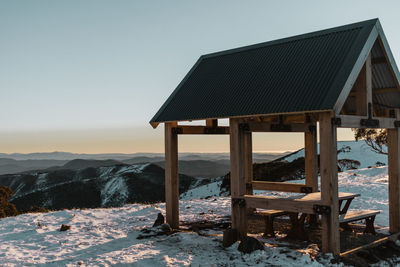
(238, 182)
(329, 184)
(394, 176)
(171, 176)
(311, 158)
(368, 79)
(248, 159)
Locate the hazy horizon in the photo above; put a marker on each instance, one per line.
(87, 76)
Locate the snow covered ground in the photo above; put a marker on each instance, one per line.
(104, 237)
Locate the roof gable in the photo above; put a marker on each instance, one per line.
(310, 72)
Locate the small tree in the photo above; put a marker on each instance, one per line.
(375, 138)
(6, 208)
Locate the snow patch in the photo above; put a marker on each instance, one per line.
(359, 151)
(114, 191)
(203, 191)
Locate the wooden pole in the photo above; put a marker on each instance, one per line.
(238, 182)
(368, 79)
(171, 176)
(329, 184)
(311, 158)
(248, 159)
(394, 176)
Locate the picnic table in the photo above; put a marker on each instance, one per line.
(297, 219)
(297, 230)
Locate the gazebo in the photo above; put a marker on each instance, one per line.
(316, 82)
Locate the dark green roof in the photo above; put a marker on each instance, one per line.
(303, 73)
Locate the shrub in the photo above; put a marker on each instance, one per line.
(6, 208)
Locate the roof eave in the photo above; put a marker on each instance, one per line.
(388, 52)
(351, 79)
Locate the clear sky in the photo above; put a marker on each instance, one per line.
(87, 76)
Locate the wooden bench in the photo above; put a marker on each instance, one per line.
(357, 215)
(269, 216)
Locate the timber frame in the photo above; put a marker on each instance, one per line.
(326, 123)
(259, 92)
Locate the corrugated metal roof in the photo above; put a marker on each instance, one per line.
(297, 74)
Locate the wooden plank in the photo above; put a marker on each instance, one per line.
(317, 196)
(329, 184)
(353, 121)
(278, 186)
(255, 126)
(171, 177)
(376, 243)
(295, 119)
(386, 90)
(311, 158)
(271, 212)
(356, 215)
(273, 203)
(186, 129)
(238, 183)
(248, 159)
(394, 178)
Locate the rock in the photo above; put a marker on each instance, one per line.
(64, 227)
(229, 237)
(159, 220)
(250, 244)
(165, 228)
(162, 229)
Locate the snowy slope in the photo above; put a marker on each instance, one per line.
(212, 189)
(103, 237)
(359, 151)
(90, 187)
(370, 183)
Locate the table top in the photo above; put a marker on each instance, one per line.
(312, 197)
(317, 196)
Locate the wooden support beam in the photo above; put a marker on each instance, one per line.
(368, 79)
(353, 121)
(181, 129)
(248, 159)
(378, 60)
(376, 243)
(171, 177)
(394, 178)
(281, 187)
(212, 123)
(386, 90)
(276, 127)
(289, 205)
(377, 91)
(311, 158)
(238, 182)
(329, 184)
(360, 91)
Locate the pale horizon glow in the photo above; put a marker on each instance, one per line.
(87, 76)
